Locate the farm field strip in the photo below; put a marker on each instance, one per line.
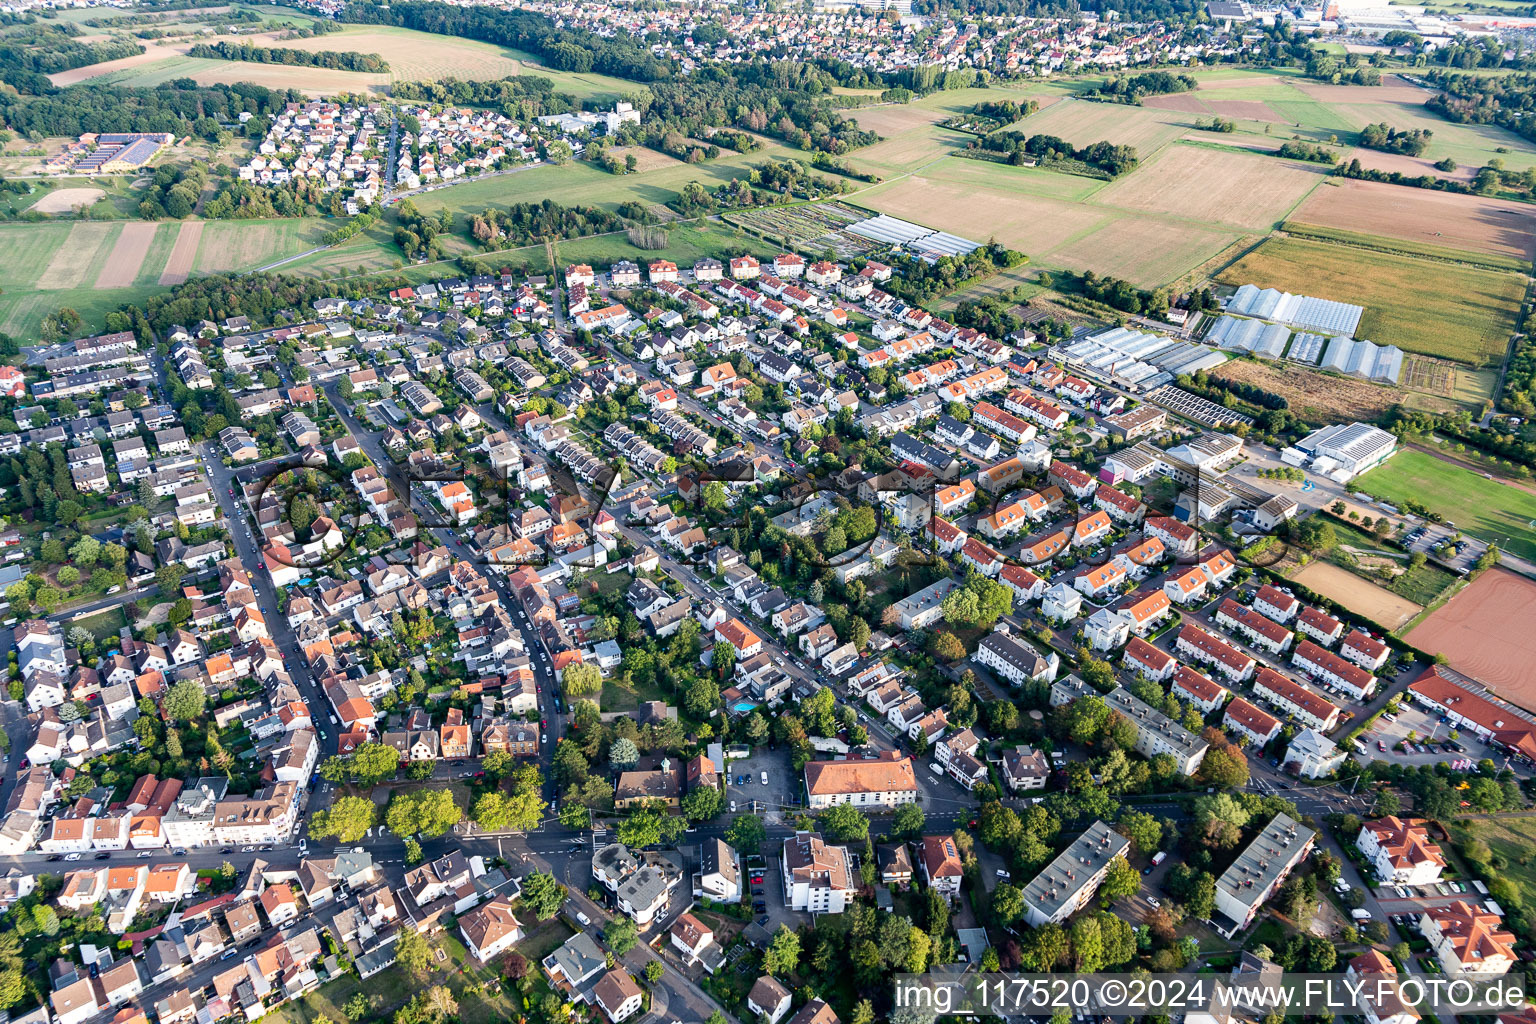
(1221, 186)
(122, 266)
(81, 257)
(159, 252)
(1424, 216)
(183, 256)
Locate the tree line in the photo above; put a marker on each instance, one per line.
(1098, 159)
(564, 49)
(1131, 88)
(1506, 101)
(341, 60)
(180, 106)
(41, 49)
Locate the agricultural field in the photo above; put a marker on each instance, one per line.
(412, 56)
(1319, 397)
(1485, 632)
(1148, 252)
(95, 266)
(1487, 509)
(1424, 216)
(581, 183)
(1460, 313)
(1081, 122)
(247, 244)
(421, 56)
(1246, 192)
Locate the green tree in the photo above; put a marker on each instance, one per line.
(412, 952)
(1144, 831)
(347, 819)
(497, 765)
(430, 812)
(543, 895)
(580, 680)
(703, 803)
(747, 833)
(623, 754)
(844, 823)
(783, 954)
(1007, 904)
(185, 701)
(372, 763)
(908, 820)
(1120, 881)
(621, 935)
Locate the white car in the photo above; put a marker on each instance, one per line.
(1153, 901)
(76, 856)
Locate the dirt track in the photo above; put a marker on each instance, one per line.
(1376, 603)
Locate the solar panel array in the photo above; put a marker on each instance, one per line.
(1254, 336)
(1325, 315)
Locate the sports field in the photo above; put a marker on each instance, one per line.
(1486, 509)
(1357, 593)
(1479, 224)
(1485, 632)
(1461, 313)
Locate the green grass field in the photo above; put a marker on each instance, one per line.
(1421, 585)
(1461, 313)
(1480, 507)
(1514, 839)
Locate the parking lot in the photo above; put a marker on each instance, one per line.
(1429, 731)
(744, 784)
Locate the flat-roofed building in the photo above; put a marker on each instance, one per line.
(1066, 884)
(1156, 733)
(1258, 871)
